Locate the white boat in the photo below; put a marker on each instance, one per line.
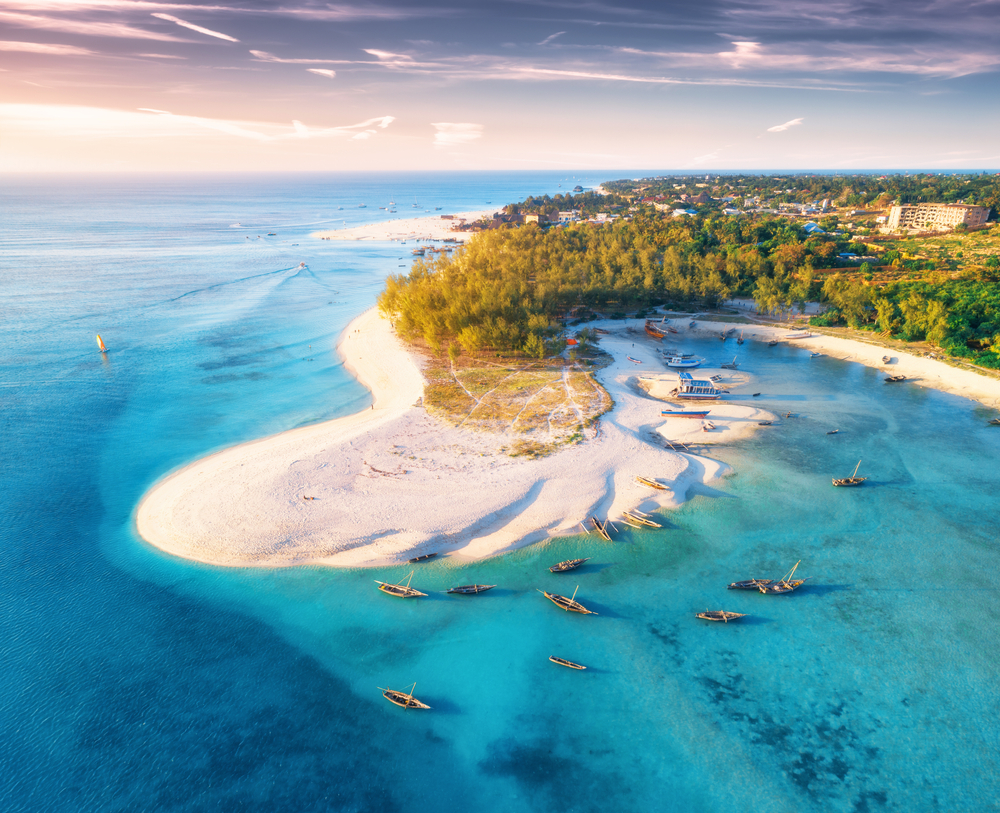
(681, 361)
(692, 389)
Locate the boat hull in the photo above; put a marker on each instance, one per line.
(569, 564)
(470, 589)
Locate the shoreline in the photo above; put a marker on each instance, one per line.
(392, 482)
(919, 370)
(383, 482)
(426, 227)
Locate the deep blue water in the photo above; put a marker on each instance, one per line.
(135, 681)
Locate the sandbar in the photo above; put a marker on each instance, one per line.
(425, 228)
(393, 482)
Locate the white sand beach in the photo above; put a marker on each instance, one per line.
(423, 228)
(393, 482)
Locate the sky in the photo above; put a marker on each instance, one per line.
(284, 85)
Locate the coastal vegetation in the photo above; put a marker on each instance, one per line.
(513, 290)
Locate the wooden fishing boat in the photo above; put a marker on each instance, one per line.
(692, 323)
(853, 480)
(833, 432)
(772, 343)
(993, 422)
(722, 336)
(708, 426)
(401, 590)
(684, 413)
(886, 359)
(569, 604)
(404, 699)
(786, 584)
(720, 615)
(634, 361)
(630, 523)
(749, 584)
(729, 365)
(642, 518)
(649, 481)
(740, 339)
(764, 423)
(601, 528)
(423, 558)
(470, 589)
(564, 662)
(569, 564)
(654, 330)
(892, 379)
(100, 344)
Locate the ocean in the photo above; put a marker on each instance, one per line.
(135, 681)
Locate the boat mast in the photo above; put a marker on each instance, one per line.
(574, 593)
(791, 572)
(856, 470)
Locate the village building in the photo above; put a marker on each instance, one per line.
(930, 216)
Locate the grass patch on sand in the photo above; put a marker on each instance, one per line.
(546, 403)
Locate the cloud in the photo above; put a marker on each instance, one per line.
(171, 19)
(83, 27)
(551, 37)
(270, 132)
(450, 134)
(386, 55)
(264, 56)
(780, 128)
(323, 72)
(45, 48)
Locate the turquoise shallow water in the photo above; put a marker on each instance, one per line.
(134, 681)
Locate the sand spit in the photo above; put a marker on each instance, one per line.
(392, 482)
(417, 229)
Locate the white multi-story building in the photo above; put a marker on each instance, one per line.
(930, 216)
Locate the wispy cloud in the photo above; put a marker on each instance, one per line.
(208, 31)
(551, 37)
(780, 128)
(264, 56)
(268, 132)
(45, 48)
(450, 134)
(84, 27)
(323, 72)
